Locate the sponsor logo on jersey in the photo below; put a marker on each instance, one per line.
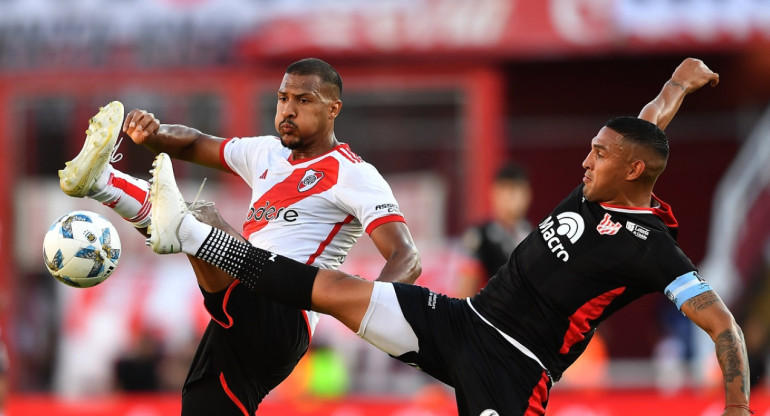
(607, 227)
(389, 207)
(269, 212)
(432, 300)
(570, 225)
(637, 230)
(489, 412)
(309, 180)
(263, 175)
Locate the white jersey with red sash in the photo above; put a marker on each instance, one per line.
(310, 210)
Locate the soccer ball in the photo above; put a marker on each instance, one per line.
(81, 249)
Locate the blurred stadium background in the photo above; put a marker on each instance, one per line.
(437, 95)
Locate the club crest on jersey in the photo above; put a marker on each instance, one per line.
(570, 225)
(607, 227)
(309, 180)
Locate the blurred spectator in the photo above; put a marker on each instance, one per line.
(137, 371)
(491, 243)
(175, 364)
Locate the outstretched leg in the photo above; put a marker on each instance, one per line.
(90, 173)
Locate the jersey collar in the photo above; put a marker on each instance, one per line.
(662, 211)
(338, 147)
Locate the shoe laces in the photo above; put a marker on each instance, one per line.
(115, 156)
(197, 203)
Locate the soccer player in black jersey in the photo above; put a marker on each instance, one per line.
(609, 242)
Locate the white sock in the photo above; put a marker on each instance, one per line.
(126, 195)
(192, 234)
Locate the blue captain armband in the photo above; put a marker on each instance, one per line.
(686, 287)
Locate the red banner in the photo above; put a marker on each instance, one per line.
(511, 27)
(432, 402)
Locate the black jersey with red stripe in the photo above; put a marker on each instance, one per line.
(582, 263)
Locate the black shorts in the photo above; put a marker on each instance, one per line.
(490, 376)
(250, 346)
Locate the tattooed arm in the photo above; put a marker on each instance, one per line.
(688, 77)
(709, 312)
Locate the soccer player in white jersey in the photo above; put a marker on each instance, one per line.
(312, 198)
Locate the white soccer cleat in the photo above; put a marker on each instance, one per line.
(168, 208)
(79, 174)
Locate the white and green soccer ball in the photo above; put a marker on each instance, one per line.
(81, 249)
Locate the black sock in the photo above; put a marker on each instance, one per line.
(274, 276)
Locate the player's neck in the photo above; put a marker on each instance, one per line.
(636, 200)
(315, 149)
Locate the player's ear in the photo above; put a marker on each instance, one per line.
(335, 108)
(635, 170)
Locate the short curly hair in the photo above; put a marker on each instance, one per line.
(641, 132)
(314, 66)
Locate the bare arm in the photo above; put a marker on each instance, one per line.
(395, 243)
(180, 142)
(709, 312)
(689, 76)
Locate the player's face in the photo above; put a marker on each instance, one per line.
(510, 200)
(305, 111)
(605, 167)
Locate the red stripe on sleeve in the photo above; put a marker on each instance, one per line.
(222, 156)
(384, 220)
